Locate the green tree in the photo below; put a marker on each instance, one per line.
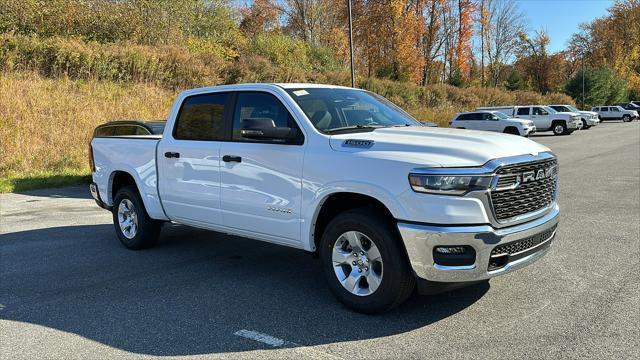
(514, 81)
(602, 86)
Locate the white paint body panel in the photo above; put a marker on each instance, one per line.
(239, 198)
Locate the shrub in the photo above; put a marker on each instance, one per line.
(283, 50)
(166, 66)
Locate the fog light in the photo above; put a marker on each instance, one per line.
(451, 249)
(459, 255)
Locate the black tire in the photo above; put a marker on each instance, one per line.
(559, 128)
(626, 118)
(511, 130)
(584, 125)
(147, 229)
(397, 281)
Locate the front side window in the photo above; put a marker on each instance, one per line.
(333, 110)
(615, 109)
(523, 111)
(539, 111)
(265, 108)
(201, 117)
(499, 115)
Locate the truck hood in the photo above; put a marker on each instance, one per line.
(436, 147)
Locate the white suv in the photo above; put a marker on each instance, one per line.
(589, 118)
(492, 121)
(614, 113)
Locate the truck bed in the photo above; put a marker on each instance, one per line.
(134, 154)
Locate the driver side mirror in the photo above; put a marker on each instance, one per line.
(265, 129)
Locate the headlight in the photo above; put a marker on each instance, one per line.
(449, 184)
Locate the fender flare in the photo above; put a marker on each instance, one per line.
(310, 214)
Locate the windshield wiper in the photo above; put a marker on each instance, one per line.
(352, 127)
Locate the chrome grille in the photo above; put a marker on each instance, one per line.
(525, 198)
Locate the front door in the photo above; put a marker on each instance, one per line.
(189, 161)
(261, 181)
(541, 117)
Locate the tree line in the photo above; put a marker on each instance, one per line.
(479, 43)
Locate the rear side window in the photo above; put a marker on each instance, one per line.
(523, 111)
(105, 131)
(463, 117)
(201, 117)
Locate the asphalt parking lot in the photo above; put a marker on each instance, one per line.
(68, 289)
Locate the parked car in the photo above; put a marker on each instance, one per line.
(630, 106)
(637, 103)
(543, 117)
(614, 113)
(588, 118)
(492, 121)
(385, 202)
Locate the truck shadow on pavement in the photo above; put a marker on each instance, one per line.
(189, 294)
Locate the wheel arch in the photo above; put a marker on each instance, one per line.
(337, 202)
(511, 130)
(120, 177)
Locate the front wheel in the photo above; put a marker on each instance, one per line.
(135, 229)
(584, 125)
(559, 129)
(626, 118)
(364, 262)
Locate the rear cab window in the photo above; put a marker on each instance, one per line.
(201, 117)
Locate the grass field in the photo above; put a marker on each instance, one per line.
(46, 124)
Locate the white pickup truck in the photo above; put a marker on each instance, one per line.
(344, 174)
(543, 117)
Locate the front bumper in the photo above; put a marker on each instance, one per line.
(530, 130)
(420, 241)
(592, 121)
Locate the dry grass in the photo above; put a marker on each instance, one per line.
(46, 124)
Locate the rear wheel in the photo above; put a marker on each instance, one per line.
(135, 229)
(559, 128)
(626, 118)
(364, 262)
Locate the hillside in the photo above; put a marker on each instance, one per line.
(66, 66)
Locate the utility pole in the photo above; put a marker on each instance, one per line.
(353, 71)
(582, 80)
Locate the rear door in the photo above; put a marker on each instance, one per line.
(462, 121)
(261, 181)
(189, 160)
(605, 113)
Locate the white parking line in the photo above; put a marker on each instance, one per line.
(260, 337)
(273, 341)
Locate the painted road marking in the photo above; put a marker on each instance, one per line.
(260, 337)
(273, 341)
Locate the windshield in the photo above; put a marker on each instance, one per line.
(500, 115)
(572, 108)
(550, 110)
(332, 110)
